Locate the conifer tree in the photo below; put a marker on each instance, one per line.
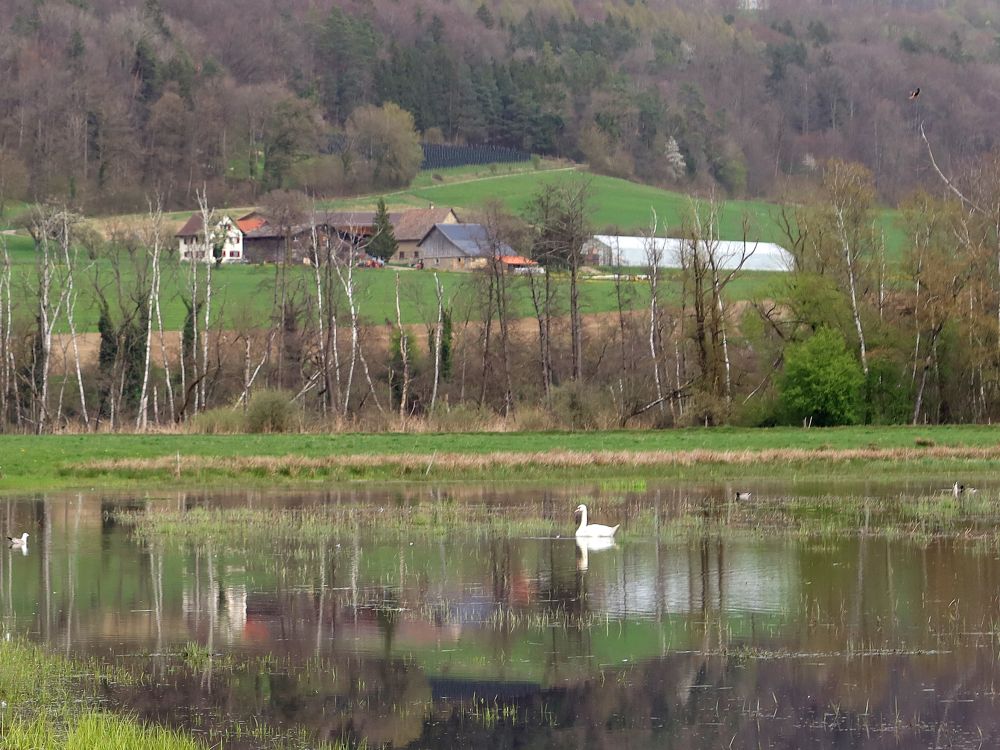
(383, 244)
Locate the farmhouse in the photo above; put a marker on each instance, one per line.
(459, 247)
(617, 250)
(253, 239)
(227, 237)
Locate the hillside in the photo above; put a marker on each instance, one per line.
(110, 102)
(617, 205)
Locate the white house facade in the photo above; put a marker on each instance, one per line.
(192, 246)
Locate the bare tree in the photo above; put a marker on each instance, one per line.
(654, 260)
(321, 313)
(500, 227)
(47, 225)
(438, 334)
(404, 355)
(214, 233)
(851, 195)
(344, 269)
(153, 246)
(6, 323)
(712, 266)
(70, 258)
(559, 213)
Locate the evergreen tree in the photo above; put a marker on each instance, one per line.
(383, 244)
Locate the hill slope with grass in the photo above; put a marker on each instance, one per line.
(617, 206)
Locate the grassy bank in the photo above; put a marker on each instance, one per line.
(131, 461)
(50, 703)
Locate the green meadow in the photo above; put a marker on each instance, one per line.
(243, 294)
(616, 205)
(83, 461)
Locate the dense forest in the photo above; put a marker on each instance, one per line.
(105, 103)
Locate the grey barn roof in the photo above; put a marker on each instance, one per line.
(471, 239)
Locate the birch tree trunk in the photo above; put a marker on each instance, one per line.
(163, 351)
(654, 257)
(504, 320)
(438, 333)
(6, 355)
(46, 223)
(324, 362)
(347, 282)
(404, 353)
(849, 260)
(541, 301)
(193, 360)
(207, 219)
(142, 418)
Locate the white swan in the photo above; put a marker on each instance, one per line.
(19, 542)
(593, 529)
(741, 496)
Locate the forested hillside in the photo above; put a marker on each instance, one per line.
(107, 101)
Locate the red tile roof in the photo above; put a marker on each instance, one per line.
(249, 223)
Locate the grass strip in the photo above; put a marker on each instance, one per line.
(128, 461)
(502, 463)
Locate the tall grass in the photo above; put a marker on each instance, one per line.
(508, 463)
(90, 731)
(49, 704)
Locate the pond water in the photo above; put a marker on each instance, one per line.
(407, 637)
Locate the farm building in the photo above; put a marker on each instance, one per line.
(352, 226)
(266, 244)
(255, 240)
(226, 235)
(459, 247)
(616, 250)
(410, 227)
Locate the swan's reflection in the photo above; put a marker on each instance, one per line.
(586, 545)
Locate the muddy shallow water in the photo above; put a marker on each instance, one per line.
(410, 637)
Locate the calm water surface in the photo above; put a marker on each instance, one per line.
(460, 640)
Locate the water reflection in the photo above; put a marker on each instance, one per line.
(430, 639)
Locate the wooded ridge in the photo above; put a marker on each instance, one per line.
(105, 103)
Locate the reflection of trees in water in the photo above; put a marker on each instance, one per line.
(86, 583)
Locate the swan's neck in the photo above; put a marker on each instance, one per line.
(583, 519)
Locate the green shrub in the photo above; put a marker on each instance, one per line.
(273, 411)
(822, 381)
